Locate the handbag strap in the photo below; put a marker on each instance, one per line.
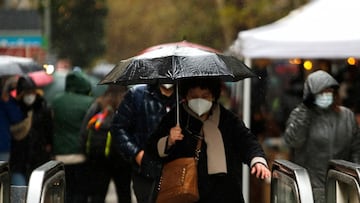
(198, 147)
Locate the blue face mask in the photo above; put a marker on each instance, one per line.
(324, 100)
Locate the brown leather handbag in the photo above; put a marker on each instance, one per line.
(179, 180)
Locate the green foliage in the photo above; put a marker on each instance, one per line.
(133, 25)
(85, 30)
(77, 30)
(247, 14)
(140, 24)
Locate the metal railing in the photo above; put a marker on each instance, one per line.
(47, 184)
(290, 183)
(4, 182)
(342, 182)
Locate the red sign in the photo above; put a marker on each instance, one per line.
(36, 53)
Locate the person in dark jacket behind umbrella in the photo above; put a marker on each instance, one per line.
(319, 129)
(137, 116)
(32, 138)
(226, 141)
(69, 109)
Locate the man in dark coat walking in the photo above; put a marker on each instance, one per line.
(137, 116)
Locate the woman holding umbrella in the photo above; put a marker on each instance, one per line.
(226, 141)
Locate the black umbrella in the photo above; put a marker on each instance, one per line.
(168, 63)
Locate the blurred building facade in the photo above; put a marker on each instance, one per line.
(21, 29)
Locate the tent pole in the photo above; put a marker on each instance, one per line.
(246, 119)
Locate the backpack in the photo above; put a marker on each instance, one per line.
(98, 138)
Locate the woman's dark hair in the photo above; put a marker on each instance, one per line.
(213, 84)
(25, 83)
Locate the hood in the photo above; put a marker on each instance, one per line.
(77, 82)
(318, 81)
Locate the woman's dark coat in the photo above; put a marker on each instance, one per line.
(33, 150)
(241, 146)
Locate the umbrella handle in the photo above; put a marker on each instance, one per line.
(177, 104)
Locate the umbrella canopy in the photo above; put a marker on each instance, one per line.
(41, 78)
(15, 65)
(8, 68)
(169, 62)
(180, 44)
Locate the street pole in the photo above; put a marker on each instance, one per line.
(47, 26)
(247, 121)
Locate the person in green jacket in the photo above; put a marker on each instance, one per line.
(69, 109)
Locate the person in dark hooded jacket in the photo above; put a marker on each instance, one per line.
(69, 110)
(31, 144)
(319, 129)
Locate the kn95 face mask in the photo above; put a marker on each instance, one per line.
(168, 86)
(200, 106)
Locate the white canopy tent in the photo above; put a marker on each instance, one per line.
(319, 29)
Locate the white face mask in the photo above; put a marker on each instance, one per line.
(324, 100)
(167, 86)
(199, 105)
(29, 99)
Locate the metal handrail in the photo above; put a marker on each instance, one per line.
(49, 177)
(4, 182)
(344, 172)
(290, 171)
(347, 167)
